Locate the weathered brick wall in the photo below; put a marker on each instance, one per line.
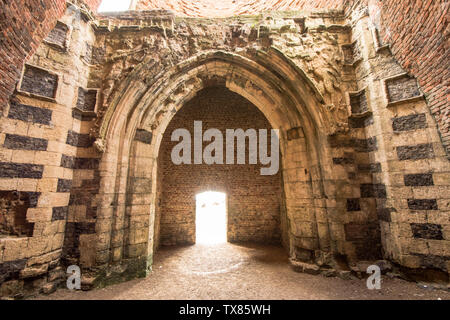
(40, 138)
(39, 82)
(208, 8)
(13, 211)
(358, 186)
(253, 201)
(23, 26)
(93, 4)
(417, 32)
(412, 180)
(389, 167)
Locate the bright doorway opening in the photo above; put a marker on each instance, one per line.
(211, 218)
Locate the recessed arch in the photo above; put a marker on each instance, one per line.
(253, 199)
(145, 102)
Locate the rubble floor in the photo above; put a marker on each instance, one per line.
(230, 271)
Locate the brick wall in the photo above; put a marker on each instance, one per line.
(39, 163)
(392, 159)
(93, 4)
(253, 200)
(417, 31)
(207, 8)
(23, 26)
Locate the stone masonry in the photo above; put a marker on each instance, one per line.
(88, 103)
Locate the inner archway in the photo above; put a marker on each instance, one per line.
(132, 133)
(253, 200)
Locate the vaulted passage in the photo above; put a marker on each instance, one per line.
(253, 200)
(95, 171)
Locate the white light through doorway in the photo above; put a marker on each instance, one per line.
(211, 218)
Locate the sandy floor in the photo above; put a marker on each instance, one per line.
(242, 272)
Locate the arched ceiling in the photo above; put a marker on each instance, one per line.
(227, 8)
